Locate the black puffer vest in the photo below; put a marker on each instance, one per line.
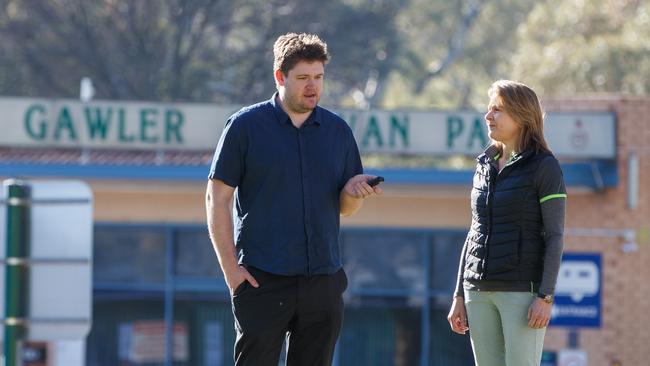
(505, 241)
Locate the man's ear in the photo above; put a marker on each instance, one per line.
(279, 77)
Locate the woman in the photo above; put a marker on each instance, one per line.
(510, 259)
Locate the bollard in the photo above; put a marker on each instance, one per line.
(16, 268)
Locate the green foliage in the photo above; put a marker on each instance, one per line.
(386, 53)
(580, 46)
(176, 50)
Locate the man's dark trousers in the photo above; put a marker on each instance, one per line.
(308, 309)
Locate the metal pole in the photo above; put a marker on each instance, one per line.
(426, 310)
(16, 270)
(169, 297)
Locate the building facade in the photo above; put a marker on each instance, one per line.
(158, 294)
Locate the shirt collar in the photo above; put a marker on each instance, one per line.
(492, 154)
(489, 154)
(315, 117)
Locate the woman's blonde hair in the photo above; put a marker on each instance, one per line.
(522, 104)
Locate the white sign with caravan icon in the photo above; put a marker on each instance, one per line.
(578, 291)
(578, 279)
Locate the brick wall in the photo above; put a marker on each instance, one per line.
(625, 332)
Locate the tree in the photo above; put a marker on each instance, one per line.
(457, 48)
(386, 53)
(579, 46)
(176, 50)
(131, 49)
(360, 34)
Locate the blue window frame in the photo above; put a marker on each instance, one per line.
(400, 287)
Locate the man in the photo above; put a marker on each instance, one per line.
(292, 168)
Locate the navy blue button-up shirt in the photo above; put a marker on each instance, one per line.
(288, 182)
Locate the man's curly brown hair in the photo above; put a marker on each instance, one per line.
(291, 48)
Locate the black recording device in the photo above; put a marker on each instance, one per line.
(374, 181)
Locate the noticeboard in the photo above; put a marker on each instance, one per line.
(578, 291)
(60, 262)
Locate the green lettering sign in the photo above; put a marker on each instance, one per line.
(455, 128)
(64, 123)
(174, 121)
(97, 122)
(147, 121)
(477, 134)
(41, 126)
(121, 124)
(400, 128)
(372, 131)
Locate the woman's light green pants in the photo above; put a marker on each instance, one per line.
(498, 328)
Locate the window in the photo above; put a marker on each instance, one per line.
(131, 255)
(400, 284)
(389, 260)
(194, 255)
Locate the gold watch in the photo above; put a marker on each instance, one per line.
(547, 298)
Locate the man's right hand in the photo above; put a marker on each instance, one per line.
(236, 275)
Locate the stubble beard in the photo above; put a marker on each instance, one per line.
(296, 105)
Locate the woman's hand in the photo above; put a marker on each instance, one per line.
(458, 316)
(539, 314)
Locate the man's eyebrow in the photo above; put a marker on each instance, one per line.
(307, 74)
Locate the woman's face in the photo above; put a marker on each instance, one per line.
(501, 126)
